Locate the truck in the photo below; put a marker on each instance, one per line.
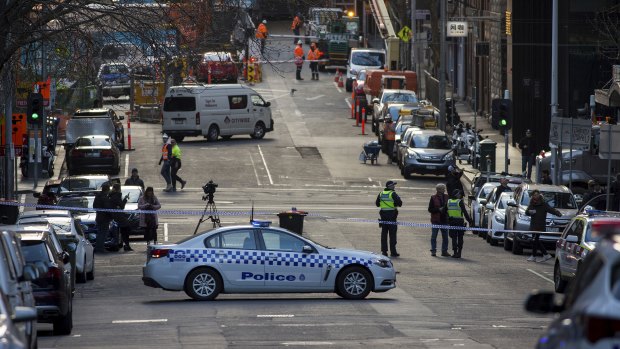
(333, 33)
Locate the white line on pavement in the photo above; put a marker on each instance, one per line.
(138, 321)
(22, 201)
(314, 98)
(255, 172)
(126, 165)
(165, 231)
(337, 88)
(307, 343)
(348, 102)
(542, 276)
(275, 315)
(265, 163)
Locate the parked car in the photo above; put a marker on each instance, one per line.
(114, 79)
(105, 113)
(84, 183)
(589, 316)
(220, 65)
(476, 207)
(391, 96)
(52, 290)
(481, 178)
(401, 111)
(11, 336)
(133, 193)
(491, 199)
(92, 154)
(427, 152)
(497, 219)
(557, 196)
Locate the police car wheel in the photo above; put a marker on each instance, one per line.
(354, 283)
(203, 284)
(558, 283)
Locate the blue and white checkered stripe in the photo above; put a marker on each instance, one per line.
(294, 259)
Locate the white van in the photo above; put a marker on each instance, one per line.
(363, 58)
(215, 110)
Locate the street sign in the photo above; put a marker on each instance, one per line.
(567, 132)
(609, 148)
(405, 34)
(456, 29)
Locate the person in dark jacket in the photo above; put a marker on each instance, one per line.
(439, 216)
(594, 190)
(102, 201)
(528, 154)
(453, 180)
(546, 177)
(503, 188)
(135, 179)
(457, 215)
(389, 202)
(118, 202)
(537, 210)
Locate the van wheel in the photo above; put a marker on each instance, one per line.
(213, 133)
(179, 138)
(259, 131)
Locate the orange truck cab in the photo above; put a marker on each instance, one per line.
(377, 80)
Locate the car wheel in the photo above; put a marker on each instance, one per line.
(406, 174)
(259, 131)
(64, 324)
(354, 283)
(91, 274)
(348, 85)
(558, 283)
(203, 284)
(488, 237)
(81, 277)
(507, 244)
(213, 133)
(494, 242)
(516, 247)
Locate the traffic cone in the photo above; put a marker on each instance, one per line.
(340, 80)
(337, 75)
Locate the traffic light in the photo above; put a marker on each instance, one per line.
(501, 114)
(35, 109)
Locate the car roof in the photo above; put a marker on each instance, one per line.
(35, 227)
(32, 235)
(94, 136)
(546, 187)
(395, 90)
(91, 112)
(45, 213)
(88, 176)
(429, 131)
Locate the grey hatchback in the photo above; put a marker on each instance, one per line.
(425, 151)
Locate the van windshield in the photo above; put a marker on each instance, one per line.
(369, 59)
(180, 104)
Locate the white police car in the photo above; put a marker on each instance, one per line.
(261, 259)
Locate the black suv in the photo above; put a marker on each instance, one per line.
(117, 120)
(52, 290)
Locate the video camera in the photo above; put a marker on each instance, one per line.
(209, 190)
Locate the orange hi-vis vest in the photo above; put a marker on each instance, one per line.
(261, 32)
(313, 55)
(164, 152)
(296, 23)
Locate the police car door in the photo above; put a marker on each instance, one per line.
(286, 266)
(238, 258)
(567, 243)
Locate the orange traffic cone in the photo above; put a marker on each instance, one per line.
(337, 75)
(340, 80)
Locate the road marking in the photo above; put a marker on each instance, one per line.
(126, 165)
(22, 201)
(337, 88)
(542, 276)
(138, 321)
(369, 179)
(255, 172)
(276, 97)
(314, 98)
(275, 315)
(298, 113)
(265, 163)
(165, 231)
(307, 343)
(348, 102)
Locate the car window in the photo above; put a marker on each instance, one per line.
(430, 142)
(559, 200)
(280, 241)
(400, 97)
(80, 201)
(589, 236)
(61, 226)
(368, 58)
(5, 259)
(238, 239)
(134, 194)
(238, 102)
(258, 101)
(180, 104)
(35, 251)
(575, 228)
(592, 265)
(82, 184)
(92, 142)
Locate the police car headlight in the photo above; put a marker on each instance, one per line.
(383, 263)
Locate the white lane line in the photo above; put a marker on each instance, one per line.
(369, 179)
(337, 88)
(126, 165)
(138, 321)
(22, 201)
(314, 98)
(307, 343)
(348, 102)
(265, 163)
(277, 97)
(255, 172)
(275, 315)
(165, 231)
(542, 276)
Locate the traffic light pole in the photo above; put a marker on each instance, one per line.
(507, 96)
(36, 157)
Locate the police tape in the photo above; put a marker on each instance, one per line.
(266, 213)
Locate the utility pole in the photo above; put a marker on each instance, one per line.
(9, 155)
(413, 37)
(555, 171)
(442, 66)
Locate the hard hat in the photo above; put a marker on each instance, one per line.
(299, 42)
(264, 21)
(165, 136)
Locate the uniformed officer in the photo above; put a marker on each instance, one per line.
(388, 201)
(457, 214)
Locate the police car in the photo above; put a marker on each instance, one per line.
(258, 258)
(573, 246)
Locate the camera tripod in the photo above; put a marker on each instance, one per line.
(211, 210)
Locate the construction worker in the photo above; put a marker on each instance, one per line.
(296, 26)
(313, 57)
(175, 166)
(166, 155)
(299, 60)
(390, 137)
(388, 201)
(261, 35)
(457, 214)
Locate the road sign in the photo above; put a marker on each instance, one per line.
(567, 132)
(405, 34)
(607, 149)
(456, 29)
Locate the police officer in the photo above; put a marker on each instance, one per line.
(103, 218)
(457, 214)
(388, 201)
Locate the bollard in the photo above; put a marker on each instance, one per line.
(357, 115)
(128, 133)
(364, 122)
(353, 109)
(337, 75)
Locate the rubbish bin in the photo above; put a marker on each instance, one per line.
(487, 148)
(293, 220)
(10, 212)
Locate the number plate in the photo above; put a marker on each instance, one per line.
(179, 122)
(431, 167)
(553, 230)
(92, 155)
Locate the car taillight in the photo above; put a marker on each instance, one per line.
(598, 328)
(198, 118)
(159, 253)
(107, 153)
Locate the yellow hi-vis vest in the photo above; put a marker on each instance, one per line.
(386, 201)
(454, 208)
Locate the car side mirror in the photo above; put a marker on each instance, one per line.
(267, 104)
(24, 314)
(483, 201)
(29, 273)
(572, 238)
(489, 207)
(512, 203)
(307, 249)
(375, 101)
(541, 302)
(66, 258)
(471, 197)
(40, 266)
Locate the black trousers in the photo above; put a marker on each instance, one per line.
(125, 235)
(314, 67)
(537, 245)
(388, 230)
(151, 233)
(457, 237)
(176, 166)
(298, 72)
(103, 230)
(296, 33)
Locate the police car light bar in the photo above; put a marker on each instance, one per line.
(260, 224)
(600, 213)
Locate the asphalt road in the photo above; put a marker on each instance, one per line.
(310, 162)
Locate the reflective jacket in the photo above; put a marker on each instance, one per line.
(454, 208)
(313, 55)
(296, 23)
(261, 32)
(176, 152)
(164, 152)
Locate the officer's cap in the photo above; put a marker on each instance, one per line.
(390, 184)
(456, 192)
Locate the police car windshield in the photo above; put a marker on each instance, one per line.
(589, 236)
(553, 199)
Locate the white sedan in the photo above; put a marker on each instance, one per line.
(497, 219)
(261, 259)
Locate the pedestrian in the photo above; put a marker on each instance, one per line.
(166, 155)
(299, 60)
(537, 210)
(261, 35)
(526, 144)
(149, 202)
(135, 179)
(389, 137)
(453, 179)
(388, 202)
(103, 218)
(296, 26)
(546, 177)
(615, 194)
(175, 166)
(117, 202)
(439, 216)
(457, 214)
(313, 56)
(594, 190)
(503, 187)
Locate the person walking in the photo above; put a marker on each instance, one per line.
(390, 138)
(117, 202)
(313, 56)
(166, 156)
(102, 219)
(537, 210)
(299, 60)
(261, 35)
(453, 179)
(135, 179)
(439, 216)
(457, 214)
(175, 166)
(296, 26)
(149, 202)
(527, 144)
(388, 202)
